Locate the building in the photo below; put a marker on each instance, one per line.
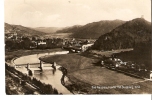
(86, 46)
(41, 43)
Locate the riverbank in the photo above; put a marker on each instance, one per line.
(13, 87)
(84, 73)
(28, 84)
(9, 56)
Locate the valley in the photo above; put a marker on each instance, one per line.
(105, 57)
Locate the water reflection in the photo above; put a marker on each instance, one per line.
(53, 71)
(49, 76)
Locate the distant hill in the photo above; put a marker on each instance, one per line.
(21, 30)
(8, 27)
(47, 29)
(125, 36)
(92, 30)
(71, 29)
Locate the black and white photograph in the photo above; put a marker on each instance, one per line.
(77, 47)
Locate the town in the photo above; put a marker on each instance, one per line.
(15, 41)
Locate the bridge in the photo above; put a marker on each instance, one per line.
(38, 66)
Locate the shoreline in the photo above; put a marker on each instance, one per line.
(12, 64)
(83, 87)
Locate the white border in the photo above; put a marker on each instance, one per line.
(86, 97)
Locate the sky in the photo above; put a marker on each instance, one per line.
(62, 13)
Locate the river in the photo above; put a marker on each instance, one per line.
(47, 76)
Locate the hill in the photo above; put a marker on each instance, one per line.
(125, 36)
(21, 30)
(47, 29)
(71, 29)
(8, 27)
(92, 30)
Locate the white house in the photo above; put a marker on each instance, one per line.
(86, 46)
(41, 43)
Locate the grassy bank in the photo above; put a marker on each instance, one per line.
(13, 87)
(109, 53)
(72, 62)
(84, 73)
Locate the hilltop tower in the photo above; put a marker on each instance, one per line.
(142, 16)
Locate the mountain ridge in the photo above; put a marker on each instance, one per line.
(125, 35)
(21, 30)
(93, 29)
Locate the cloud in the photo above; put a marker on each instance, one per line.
(65, 13)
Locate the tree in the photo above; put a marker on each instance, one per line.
(30, 73)
(26, 43)
(33, 39)
(55, 91)
(9, 44)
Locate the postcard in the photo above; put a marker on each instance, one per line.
(77, 47)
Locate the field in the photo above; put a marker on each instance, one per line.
(84, 73)
(72, 62)
(58, 35)
(104, 77)
(108, 53)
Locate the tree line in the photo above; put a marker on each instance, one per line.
(27, 43)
